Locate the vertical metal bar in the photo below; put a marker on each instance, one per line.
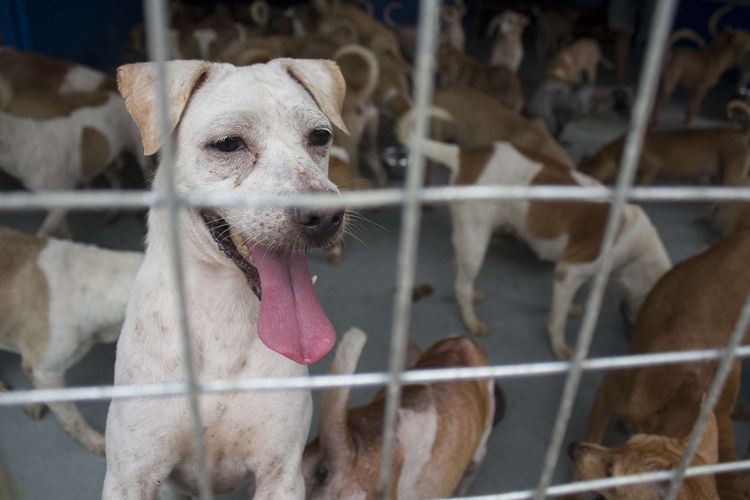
(156, 22)
(660, 27)
(410, 224)
(725, 365)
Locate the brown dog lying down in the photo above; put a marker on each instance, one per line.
(441, 434)
(698, 70)
(480, 120)
(694, 306)
(580, 58)
(679, 155)
(647, 453)
(457, 68)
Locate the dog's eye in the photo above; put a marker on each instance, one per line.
(228, 144)
(319, 137)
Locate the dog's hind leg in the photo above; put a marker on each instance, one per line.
(471, 236)
(694, 103)
(729, 485)
(568, 279)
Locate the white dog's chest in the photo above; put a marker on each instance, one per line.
(245, 434)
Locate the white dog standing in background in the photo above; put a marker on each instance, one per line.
(261, 129)
(57, 299)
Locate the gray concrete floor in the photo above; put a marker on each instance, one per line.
(47, 464)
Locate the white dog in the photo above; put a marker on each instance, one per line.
(64, 151)
(567, 233)
(58, 298)
(260, 129)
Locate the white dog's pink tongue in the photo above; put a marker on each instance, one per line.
(291, 322)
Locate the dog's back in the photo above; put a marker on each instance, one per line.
(442, 430)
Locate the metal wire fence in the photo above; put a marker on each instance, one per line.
(411, 197)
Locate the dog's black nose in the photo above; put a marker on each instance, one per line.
(319, 225)
(573, 449)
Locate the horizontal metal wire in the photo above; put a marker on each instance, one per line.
(319, 382)
(136, 199)
(617, 481)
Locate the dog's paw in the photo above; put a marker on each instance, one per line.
(478, 296)
(94, 442)
(562, 351)
(4, 387)
(575, 311)
(36, 412)
(479, 329)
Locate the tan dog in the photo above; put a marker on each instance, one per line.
(568, 234)
(578, 60)
(442, 430)
(58, 299)
(507, 29)
(456, 68)
(647, 453)
(679, 155)
(554, 30)
(481, 120)
(694, 306)
(699, 69)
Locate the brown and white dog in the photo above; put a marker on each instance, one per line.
(647, 453)
(679, 155)
(35, 72)
(57, 299)
(568, 234)
(458, 69)
(480, 120)
(694, 306)
(441, 434)
(507, 29)
(253, 309)
(578, 60)
(81, 135)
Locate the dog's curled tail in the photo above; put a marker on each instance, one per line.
(6, 93)
(713, 21)
(333, 409)
(687, 34)
(437, 151)
(373, 67)
(387, 19)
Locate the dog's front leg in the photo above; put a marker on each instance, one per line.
(568, 279)
(67, 413)
(55, 224)
(287, 482)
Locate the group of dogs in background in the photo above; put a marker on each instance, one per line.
(485, 129)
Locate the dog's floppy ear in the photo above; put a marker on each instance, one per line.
(137, 84)
(323, 80)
